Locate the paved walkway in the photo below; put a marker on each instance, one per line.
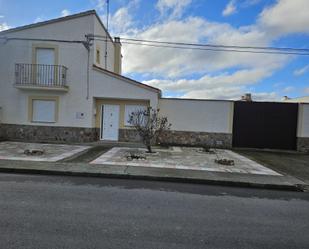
(14, 160)
(184, 158)
(52, 152)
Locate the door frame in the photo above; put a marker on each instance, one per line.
(34, 57)
(102, 121)
(47, 46)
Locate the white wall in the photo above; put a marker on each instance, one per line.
(303, 120)
(99, 30)
(198, 115)
(69, 29)
(14, 101)
(104, 85)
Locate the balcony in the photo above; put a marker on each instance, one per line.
(41, 77)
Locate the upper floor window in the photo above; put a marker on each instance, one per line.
(45, 56)
(98, 56)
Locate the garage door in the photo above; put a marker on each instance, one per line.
(265, 125)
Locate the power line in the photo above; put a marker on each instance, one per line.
(218, 46)
(189, 46)
(85, 43)
(209, 45)
(37, 39)
(212, 49)
(219, 50)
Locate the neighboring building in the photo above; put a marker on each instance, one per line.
(304, 99)
(246, 97)
(58, 84)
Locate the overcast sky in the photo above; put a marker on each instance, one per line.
(197, 74)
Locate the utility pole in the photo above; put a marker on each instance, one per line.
(107, 17)
(87, 45)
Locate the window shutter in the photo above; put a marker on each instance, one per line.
(43, 110)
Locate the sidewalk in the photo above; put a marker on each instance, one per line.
(162, 174)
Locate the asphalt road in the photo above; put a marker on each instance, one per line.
(76, 212)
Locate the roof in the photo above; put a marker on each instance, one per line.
(304, 99)
(60, 19)
(191, 99)
(134, 82)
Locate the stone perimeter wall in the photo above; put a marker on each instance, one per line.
(303, 144)
(2, 137)
(215, 140)
(35, 133)
(80, 135)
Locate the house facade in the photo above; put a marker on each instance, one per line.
(55, 86)
(59, 84)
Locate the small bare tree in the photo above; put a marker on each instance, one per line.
(149, 125)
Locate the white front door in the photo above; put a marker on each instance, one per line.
(45, 58)
(110, 122)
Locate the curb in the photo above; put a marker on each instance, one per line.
(296, 187)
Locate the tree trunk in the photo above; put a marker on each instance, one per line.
(149, 148)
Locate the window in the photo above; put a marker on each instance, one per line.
(45, 75)
(128, 111)
(98, 56)
(45, 56)
(44, 111)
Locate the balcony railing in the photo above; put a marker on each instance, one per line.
(39, 75)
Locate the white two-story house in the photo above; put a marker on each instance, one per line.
(57, 83)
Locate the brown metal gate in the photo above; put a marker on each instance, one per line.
(265, 125)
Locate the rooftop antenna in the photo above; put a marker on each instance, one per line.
(107, 17)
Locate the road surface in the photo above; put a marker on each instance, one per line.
(78, 212)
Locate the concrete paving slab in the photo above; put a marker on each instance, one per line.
(228, 177)
(52, 152)
(184, 158)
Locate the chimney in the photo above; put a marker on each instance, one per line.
(118, 56)
(246, 97)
